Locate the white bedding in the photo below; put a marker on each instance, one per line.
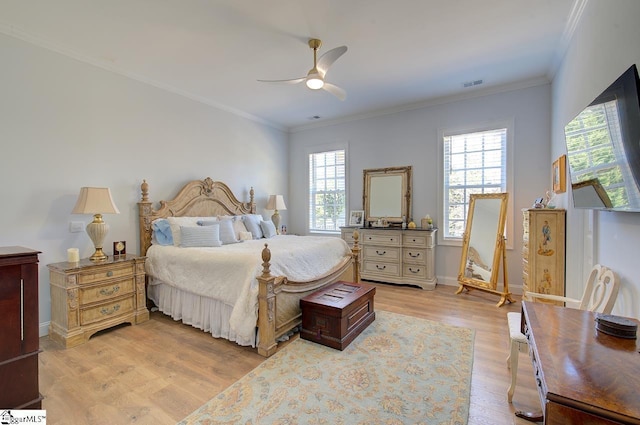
(228, 274)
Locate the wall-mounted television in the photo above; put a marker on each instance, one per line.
(603, 148)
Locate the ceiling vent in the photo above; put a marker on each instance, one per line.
(472, 83)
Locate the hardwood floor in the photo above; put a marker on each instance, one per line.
(160, 371)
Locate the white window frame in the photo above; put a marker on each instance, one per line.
(488, 126)
(320, 149)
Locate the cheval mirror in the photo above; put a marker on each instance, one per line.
(483, 246)
(387, 194)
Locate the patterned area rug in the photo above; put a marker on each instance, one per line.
(400, 370)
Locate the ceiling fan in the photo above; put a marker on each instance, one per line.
(315, 76)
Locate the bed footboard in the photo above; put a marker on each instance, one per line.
(272, 288)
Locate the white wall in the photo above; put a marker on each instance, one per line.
(66, 124)
(410, 138)
(604, 45)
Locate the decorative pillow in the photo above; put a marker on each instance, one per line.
(245, 236)
(162, 232)
(268, 228)
(199, 236)
(227, 233)
(176, 222)
(252, 222)
(238, 223)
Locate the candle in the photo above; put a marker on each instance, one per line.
(73, 255)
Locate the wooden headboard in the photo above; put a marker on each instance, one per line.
(198, 198)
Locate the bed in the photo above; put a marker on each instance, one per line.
(232, 290)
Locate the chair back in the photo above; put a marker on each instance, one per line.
(601, 291)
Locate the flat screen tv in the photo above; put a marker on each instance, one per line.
(603, 148)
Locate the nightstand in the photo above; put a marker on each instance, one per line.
(87, 297)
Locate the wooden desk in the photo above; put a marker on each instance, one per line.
(583, 376)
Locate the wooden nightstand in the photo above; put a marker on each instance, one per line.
(87, 297)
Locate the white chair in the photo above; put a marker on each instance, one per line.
(599, 296)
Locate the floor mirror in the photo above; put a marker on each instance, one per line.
(483, 246)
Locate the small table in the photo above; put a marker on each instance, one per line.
(87, 297)
(583, 375)
(336, 314)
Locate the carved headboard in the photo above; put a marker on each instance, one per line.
(198, 198)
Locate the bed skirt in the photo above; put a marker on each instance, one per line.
(210, 315)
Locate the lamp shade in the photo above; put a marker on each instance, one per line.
(95, 200)
(276, 202)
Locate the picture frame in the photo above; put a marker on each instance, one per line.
(559, 174)
(119, 248)
(356, 218)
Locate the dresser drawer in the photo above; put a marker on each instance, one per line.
(106, 292)
(381, 268)
(108, 310)
(418, 241)
(384, 238)
(414, 270)
(381, 253)
(414, 256)
(103, 273)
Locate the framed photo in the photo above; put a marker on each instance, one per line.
(356, 218)
(559, 174)
(119, 248)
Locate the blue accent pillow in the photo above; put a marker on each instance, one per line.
(252, 223)
(226, 231)
(268, 228)
(199, 236)
(162, 232)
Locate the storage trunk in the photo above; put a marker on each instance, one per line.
(334, 316)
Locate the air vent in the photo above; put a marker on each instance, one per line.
(472, 83)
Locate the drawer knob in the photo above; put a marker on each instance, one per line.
(107, 292)
(414, 255)
(109, 273)
(414, 271)
(380, 253)
(380, 267)
(109, 311)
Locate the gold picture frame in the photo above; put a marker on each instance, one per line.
(559, 174)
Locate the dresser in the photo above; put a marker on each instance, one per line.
(392, 255)
(543, 251)
(583, 376)
(19, 335)
(87, 297)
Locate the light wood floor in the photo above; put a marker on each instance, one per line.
(160, 371)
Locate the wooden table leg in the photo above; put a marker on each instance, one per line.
(530, 416)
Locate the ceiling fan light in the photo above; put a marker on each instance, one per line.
(314, 82)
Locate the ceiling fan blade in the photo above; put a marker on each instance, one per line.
(329, 58)
(291, 81)
(335, 90)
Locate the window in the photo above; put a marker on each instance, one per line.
(327, 191)
(473, 162)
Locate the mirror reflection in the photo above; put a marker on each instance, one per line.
(387, 194)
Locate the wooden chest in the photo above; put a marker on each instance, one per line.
(334, 316)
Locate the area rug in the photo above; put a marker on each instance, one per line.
(400, 370)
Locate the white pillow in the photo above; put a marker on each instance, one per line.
(245, 236)
(227, 233)
(199, 236)
(268, 228)
(238, 223)
(176, 222)
(252, 222)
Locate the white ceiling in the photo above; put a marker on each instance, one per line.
(401, 52)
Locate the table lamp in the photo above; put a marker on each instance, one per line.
(96, 201)
(276, 202)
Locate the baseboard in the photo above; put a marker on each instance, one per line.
(43, 329)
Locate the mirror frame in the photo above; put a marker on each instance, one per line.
(498, 253)
(405, 203)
